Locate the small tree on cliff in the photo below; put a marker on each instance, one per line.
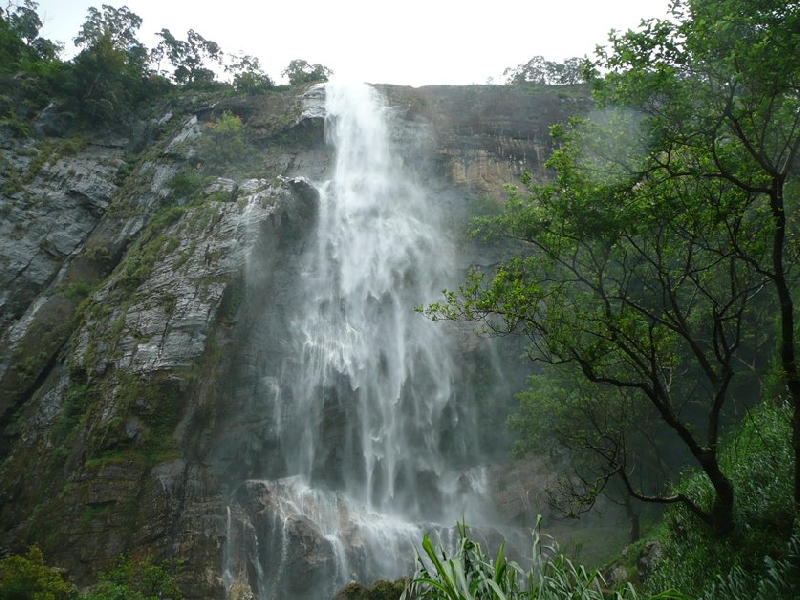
(108, 73)
(300, 72)
(642, 264)
(248, 76)
(23, 19)
(188, 57)
(545, 72)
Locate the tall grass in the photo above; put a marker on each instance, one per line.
(755, 561)
(780, 578)
(469, 574)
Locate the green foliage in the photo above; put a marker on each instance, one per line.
(25, 21)
(563, 416)
(79, 293)
(299, 72)
(116, 26)
(20, 44)
(136, 580)
(223, 149)
(756, 558)
(778, 579)
(248, 77)
(544, 72)
(188, 57)
(26, 577)
(185, 184)
(156, 403)
(647, 265)
(18, 127)
(107, 79)
(108, 75)
(470, 574)
(100, 83)
(77, 397)
(12, 47)
(149, 247)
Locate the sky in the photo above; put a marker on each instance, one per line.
(413, 42)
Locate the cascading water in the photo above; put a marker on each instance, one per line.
(370, 366)
(372, 436)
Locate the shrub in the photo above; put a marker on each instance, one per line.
(223, 148)
(26, 576)
(135, 580)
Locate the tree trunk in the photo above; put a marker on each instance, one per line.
(722, 509)
(786, 341)
(633, 518)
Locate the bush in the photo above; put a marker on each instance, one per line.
(223, 149)
(135, 580)
(25, 577)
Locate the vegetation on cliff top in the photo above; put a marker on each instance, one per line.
(114, 73)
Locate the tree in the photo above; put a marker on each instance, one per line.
(188, 57)
(738, 66)
(117, 27)
(19, 37)
(24, 577)
(646, 264)
(544, 72)
(12, 47)
(300, 72)
(223, 149)
(25, 21)
(248, 77)
(109, 71)
(589, 432)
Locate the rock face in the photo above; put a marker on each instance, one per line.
(125, 285)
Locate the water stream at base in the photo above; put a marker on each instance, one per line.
(375, 439)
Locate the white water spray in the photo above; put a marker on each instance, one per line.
(366, 356)
(369, 427)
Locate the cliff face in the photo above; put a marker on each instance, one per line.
(127, 287)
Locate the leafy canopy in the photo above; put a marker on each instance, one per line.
(300, 72)
(647, 264)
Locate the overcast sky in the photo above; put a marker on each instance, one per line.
(413, 42)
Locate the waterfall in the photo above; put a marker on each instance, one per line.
(373, 437)
(374, 376)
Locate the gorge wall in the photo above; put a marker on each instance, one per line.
(135, 276)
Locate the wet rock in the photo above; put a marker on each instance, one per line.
(51, 122)
(48, 221)
(223, 186)
(313, 102)
(648, 558)
(182, 145)
(170, 313)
